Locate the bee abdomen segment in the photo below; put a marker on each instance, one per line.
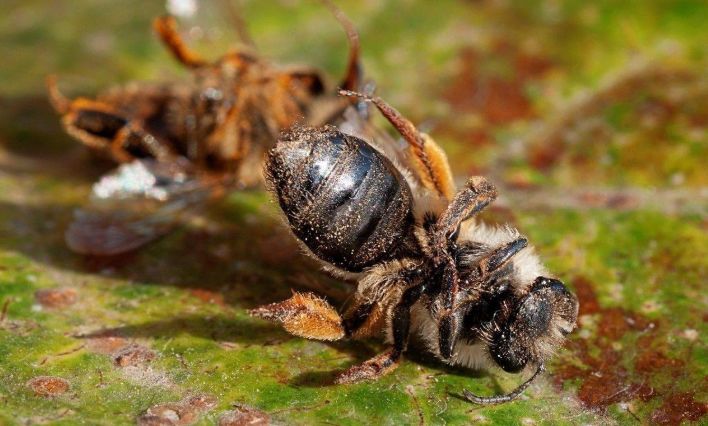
(343, 199)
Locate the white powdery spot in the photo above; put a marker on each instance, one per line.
(690, 334)
(146, 376)
(479, 419)
(182, 8)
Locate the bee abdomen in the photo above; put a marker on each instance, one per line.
(343, 199)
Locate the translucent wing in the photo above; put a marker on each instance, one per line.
(356, 123)
(133, 205)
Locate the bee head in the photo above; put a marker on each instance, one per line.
(536, 325)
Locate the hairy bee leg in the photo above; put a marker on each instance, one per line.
(304, 315)
(166, 29)
(357, 318)
(429, 162)
(501, 256)
(477, 194)
(387, 361)
(448, 331)
(488, 400)
(372, 369)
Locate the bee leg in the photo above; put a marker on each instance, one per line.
(448, 331)
(387, 361)
(428, 161)
(166, 29)
(359, 321)
(372, 369)
(304, 315)
(131, 134)
(95, 124)
(477, 194)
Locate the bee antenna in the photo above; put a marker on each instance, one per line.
(488, 400)
(236, 15)
(352, 78)
(355, 94)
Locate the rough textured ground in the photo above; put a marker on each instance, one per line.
(590, 117)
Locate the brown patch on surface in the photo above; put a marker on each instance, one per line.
(55, 298)
(150, 420)
(106, 345)
(169, 413)
(133, 355)
(611, 373)
(678, 408)
(548, 145)
(243, 415)
(498, 98)
(601, 389)
(201, 402)
(48, 386)
(208, 296)
(616, 201)
(651, 360)
(615, 322)
(586, 296)
(184, 412)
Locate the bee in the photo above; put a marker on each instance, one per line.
(387, 215)
(180, 143)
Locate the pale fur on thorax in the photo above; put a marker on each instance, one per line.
(526, 264)
(474, 356)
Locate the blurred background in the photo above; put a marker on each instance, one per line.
(590, 115)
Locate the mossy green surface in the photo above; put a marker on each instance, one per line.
(553, 100)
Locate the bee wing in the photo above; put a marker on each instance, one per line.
(395, 149)
(133, 205)
(356, 123)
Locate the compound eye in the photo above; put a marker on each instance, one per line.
(513, 345)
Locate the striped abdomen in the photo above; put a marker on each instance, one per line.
(343, 199)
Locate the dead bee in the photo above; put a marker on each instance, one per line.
(180, 142)
(388, 217)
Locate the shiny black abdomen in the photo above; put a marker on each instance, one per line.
(344, 200)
